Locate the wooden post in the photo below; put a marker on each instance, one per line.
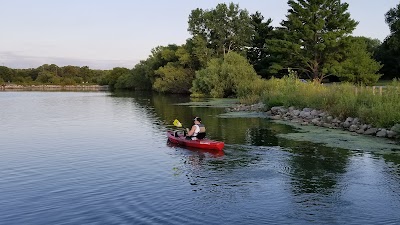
(373, 90)
(380, 90)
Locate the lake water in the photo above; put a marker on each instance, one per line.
(102, 158)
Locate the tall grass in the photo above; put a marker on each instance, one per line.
(341, 100)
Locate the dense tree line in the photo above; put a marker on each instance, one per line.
(230, 48)
(52, 74)
(389, 52)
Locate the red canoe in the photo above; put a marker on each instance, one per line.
(178, 138)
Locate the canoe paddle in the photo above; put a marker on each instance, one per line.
(177, 123)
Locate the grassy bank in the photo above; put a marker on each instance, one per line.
(341, 100)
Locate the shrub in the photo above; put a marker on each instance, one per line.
(231, 76)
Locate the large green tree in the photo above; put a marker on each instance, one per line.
(177, 75)
(358, 65)
(257, 52)
(225, 28)
(6, 74)
(310, 37)
(389, 52)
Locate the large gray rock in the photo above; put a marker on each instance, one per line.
(371, 131)
(276, 109)
(396, 128)
(315, 113)
(305, 114)
(364, 127)
(391, 134)
(346, 124)
(360, 131)
(329, 119)
(316, 121)
(355, 121)
(349, 120)
(381, 133)
(296, 112)
(283, 111)
(353, 128)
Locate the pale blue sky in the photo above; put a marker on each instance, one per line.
(103, 34)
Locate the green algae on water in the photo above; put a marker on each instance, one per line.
(212, 102)
(336, 138)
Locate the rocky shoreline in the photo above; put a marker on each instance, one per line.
(309, 116)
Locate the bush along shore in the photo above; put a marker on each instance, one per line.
(309, 116)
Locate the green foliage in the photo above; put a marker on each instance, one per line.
(140, 77)
(311, 36)
(371, 44)
(200, 50)
(389, 52)
(172, 72)
(68, 81)
(224, 78)
(382, 109)
(6, 73)
(70, 71)
(225, 28)
(53, 74)
(115, 74)
(123, 81)
(173, 79)
(207, 81)
(358, 66)
(257, 53)
(137, 78)
(291, 91)
(45, 77)
(252, 92)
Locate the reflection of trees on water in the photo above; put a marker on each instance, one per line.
(393, 167)
(394, 160)
(266, 135)
(315, 168)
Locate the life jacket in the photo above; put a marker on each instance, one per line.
(200, 131)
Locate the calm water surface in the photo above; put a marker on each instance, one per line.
(102, 158)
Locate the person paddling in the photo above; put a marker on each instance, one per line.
(198, 130)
